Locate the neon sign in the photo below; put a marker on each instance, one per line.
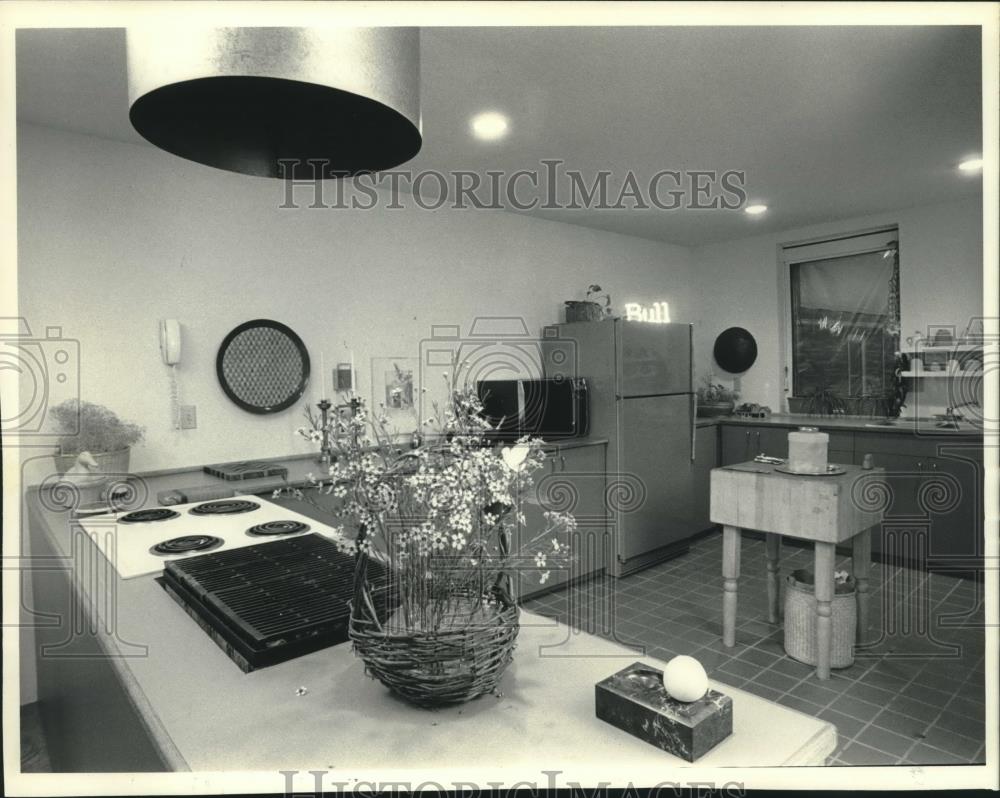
(658, 312)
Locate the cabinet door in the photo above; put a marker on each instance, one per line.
(904, 475)
(573, 481)
(954, 497)
(736, 444)
(772, 441)
(706, 458)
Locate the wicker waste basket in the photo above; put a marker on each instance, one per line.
(800, 620)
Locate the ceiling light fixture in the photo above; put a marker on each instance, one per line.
(489, 126)
(267, 101)
(755, 210)
(971, 165)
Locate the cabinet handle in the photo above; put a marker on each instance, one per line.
(562, 462)
(920, 464)
(934, 466)
(758, 441)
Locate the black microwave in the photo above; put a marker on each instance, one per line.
(550, 409)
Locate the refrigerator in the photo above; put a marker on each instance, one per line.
(642, 401)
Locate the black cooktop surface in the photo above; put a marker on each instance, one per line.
(273, 601)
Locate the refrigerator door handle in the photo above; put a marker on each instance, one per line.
(694, 394)
(694, 426)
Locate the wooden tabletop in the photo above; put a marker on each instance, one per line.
(829, 508)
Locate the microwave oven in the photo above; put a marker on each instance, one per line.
(551, 409)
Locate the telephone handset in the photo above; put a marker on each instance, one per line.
(170, 341)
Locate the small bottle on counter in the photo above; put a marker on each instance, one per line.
(868, 462)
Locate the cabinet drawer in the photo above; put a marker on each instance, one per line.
(894, 443)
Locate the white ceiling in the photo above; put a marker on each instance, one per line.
(826, 123)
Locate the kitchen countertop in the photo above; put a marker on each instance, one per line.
(206, 715)
(903, 426)
(300, 467)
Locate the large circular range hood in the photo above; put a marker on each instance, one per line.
(279, 102)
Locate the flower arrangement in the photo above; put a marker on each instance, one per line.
(87, 427)
(445, 516)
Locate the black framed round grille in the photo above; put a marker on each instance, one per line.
(263, 366)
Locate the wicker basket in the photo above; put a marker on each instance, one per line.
(800, 620)
(432, 669)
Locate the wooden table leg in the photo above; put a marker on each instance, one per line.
(861, 563)
(823, 567)
(772, 549)
(730, 580)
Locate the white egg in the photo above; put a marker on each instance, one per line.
(685, 679)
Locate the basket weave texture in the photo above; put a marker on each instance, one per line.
(800, 620)
(434, 668)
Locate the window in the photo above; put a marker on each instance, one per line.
(844, 317)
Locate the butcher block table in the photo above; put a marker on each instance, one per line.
(825, 509)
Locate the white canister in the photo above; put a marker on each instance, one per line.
(807, 450)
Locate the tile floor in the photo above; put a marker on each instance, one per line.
(914, 696)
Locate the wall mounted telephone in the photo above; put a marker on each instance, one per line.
(170, 341)
(170, 351)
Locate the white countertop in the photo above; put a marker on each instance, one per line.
(207, 715)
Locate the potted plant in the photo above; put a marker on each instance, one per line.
(445, 520)
(93, 430)
(715, 400)
(589, 309)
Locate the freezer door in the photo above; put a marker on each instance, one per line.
(653, 358)
(654, 462)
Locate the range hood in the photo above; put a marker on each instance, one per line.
(279, 102)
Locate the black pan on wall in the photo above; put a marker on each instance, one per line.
(735, 350)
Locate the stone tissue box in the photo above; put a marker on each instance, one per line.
(635, 701)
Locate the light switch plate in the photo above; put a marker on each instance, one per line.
(189, 417)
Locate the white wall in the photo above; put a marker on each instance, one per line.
(941, 282)
(113, 237)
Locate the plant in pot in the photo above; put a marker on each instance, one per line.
(824, 401)
(94, 435)
(446, 521)
(715, 400)
(589, 309)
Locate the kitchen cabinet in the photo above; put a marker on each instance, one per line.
(706, 457)
(935, 484)
(573, 480)
(934, 518)
(744, 442)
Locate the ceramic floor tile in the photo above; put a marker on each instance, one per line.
(956, 744)
(856, 708)
(859, 754)
(926, 755)
(885, 740)
(845, 724)
(901, 724)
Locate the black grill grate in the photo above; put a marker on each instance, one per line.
(290, 595)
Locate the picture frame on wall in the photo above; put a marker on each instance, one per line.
(395, 390)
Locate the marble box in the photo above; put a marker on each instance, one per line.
(635, 701)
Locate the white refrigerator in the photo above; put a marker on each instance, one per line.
(642, 401)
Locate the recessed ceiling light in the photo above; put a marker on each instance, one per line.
(755, 210)
(971, 165)
(489, 126)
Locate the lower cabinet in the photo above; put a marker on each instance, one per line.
(933, 509)
(934, 505)
(574, 480)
